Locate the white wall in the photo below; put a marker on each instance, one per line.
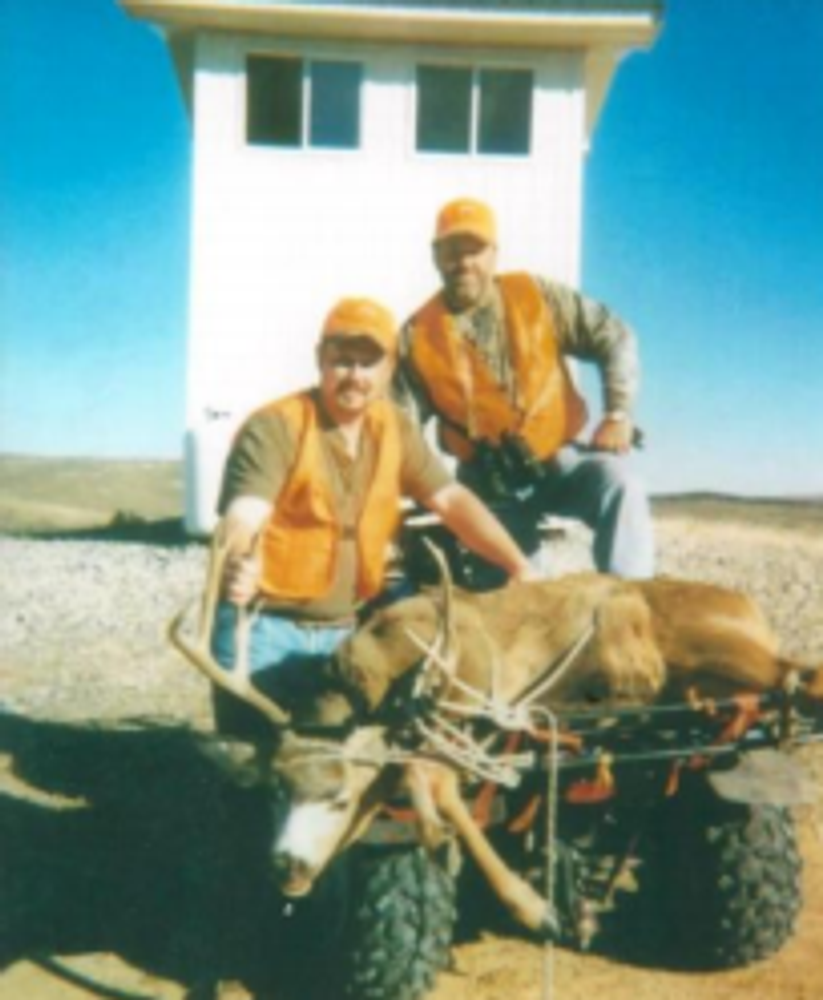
(279, 235)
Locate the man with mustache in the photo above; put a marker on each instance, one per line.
(486, 358)
(311, 496)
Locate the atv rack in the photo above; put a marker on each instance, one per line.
(707, 727)
(600, 748)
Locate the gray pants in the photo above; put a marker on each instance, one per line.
(597, 488)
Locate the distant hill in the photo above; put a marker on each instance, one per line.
(66, 494)
(73, 494)
(800, 513)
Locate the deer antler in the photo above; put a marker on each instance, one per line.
(442, 653)
(199, 654)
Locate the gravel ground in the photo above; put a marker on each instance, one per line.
(82, 621)
(82, 638)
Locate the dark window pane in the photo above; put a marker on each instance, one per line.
(443, 109)
(505, 111)
(335, 105)
(274, 101)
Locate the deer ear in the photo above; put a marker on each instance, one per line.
(240, 761)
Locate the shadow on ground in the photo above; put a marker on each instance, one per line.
(168, 532)
(141, 848)
(129, 840)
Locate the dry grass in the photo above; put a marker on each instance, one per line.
(804, 514)
(53, 494)
(56, 494)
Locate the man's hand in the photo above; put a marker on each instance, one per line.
(613, 434)
(479, 530)
(241, 579)
(525, 574)
(244, 566)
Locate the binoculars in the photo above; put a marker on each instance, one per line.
(506, 468)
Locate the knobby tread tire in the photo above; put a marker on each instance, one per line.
(737, 877)
(401, 926)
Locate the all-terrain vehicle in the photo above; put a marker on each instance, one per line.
(664, 834)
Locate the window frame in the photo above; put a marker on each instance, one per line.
(475, 109)
(306, 61)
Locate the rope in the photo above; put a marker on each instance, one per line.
(502, 770)
(522, 714)
(562, 668)
(514, 716)
(460, 749)
(448, 742)
(454, 743)
(509, 716)
(552, 772)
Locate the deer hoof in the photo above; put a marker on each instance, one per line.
(549, 929)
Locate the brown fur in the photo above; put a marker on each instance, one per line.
(651, 639)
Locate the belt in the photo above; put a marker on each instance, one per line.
(309, 623)
(315, 624)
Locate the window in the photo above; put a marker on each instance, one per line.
(295, 102)
(505, 112)
(463, 110)
(275, 101)
(444, 98)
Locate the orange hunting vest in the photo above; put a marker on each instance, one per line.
(546, 411)
(300, 540)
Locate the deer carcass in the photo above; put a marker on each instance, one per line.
(576, 641)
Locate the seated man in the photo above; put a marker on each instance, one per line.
(311, 499)
(485, 356)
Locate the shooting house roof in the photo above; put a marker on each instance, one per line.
(495, 23)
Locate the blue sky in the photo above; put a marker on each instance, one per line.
(703, 228)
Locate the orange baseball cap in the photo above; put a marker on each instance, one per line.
(362, 318)
(466, 216)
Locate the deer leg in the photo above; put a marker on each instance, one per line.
(526, 905)
(811, 679)
(430, 824)
(731, 663)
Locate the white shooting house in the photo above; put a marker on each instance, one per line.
(326, 136)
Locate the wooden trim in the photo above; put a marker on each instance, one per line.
(460, 28)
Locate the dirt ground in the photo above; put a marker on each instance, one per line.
(64, 934)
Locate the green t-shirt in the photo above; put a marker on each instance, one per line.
(263, 455)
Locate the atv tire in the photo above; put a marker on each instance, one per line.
(732, 880)
(401, 925)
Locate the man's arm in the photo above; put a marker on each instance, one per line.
(425, 479)
(252, 479)
(407, 389)
(244, 520)
(589, 331)
(479, 530)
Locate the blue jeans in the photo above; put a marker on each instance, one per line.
(281, 654)
(597, 488)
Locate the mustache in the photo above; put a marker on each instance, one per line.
(349, 384)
